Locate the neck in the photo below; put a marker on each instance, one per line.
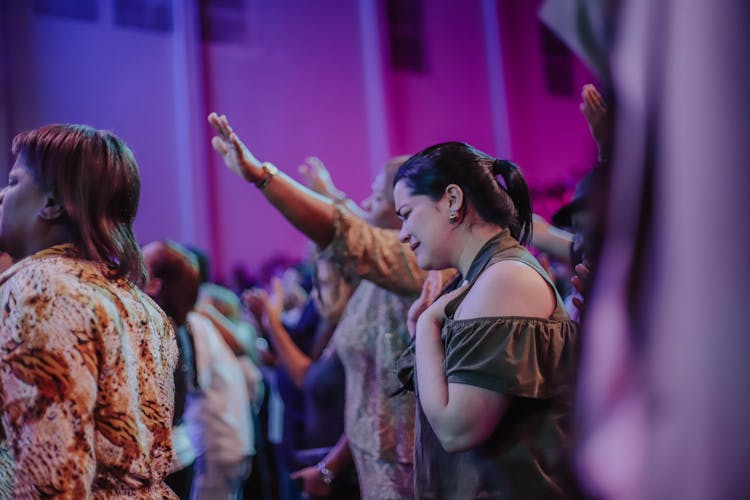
(49, 239)
(476, 236)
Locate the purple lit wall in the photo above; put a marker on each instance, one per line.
(548, 135)
(296, 79)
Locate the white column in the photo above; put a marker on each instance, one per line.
(190, 125)
(496, 84)
(372, 67)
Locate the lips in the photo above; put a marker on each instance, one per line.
(414, 247)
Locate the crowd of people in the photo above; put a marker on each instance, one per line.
(433, 357)
(433, 354)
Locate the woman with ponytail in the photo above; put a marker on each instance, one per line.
(494, 353)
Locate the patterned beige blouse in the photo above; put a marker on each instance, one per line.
(86, 385)
(377, 255)
(369, 339)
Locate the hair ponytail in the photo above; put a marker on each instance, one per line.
(515, 185)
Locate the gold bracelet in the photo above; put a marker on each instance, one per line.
(269, 172)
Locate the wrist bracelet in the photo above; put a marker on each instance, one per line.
(328, 476)
(340, 200)
(269, 172)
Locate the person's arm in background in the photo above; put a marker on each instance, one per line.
(550, 239)
(334, 463)
(309, 212)
(581, 282)
(319, 180)
(288, 354)
(599, 119)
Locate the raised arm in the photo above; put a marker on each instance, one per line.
(373, 253)
(308, 211)
(319, 180)
(597, 115)
(550, 239)
(289, 355)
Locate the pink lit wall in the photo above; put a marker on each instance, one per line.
(302, 78)
(294, 89)
(450, 100)
(62, 70)
(548, 135)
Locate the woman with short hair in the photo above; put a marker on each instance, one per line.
(87, 358)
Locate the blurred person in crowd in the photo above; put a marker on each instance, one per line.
(173, 284)
(217, 407)
(223, 307)
(663, 408)
(320, 375)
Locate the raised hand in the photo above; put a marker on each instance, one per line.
(597, 115)
(580, 282)
(253, 304)
(318, 178)
(266, 307)
(233, 151)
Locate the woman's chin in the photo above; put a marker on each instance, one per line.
(424, 262)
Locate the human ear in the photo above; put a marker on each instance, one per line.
(52, 209)
(455, 197)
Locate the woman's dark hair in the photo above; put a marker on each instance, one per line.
(95, 178)
(179, 271)
(495, 188)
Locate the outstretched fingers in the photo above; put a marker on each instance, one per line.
(594, 99)
(219, 145)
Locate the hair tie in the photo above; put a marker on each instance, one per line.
(497, 172)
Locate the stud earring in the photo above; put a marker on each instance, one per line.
(452, 217)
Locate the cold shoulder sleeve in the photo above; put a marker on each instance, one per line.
(525, 357)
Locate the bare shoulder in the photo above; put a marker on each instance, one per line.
(509, 288)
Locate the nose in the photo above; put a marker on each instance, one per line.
(403, 234)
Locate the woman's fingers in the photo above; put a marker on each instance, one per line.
(304, 171)
(219, 145)
(220, 124)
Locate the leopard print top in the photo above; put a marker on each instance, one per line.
(86, 380)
